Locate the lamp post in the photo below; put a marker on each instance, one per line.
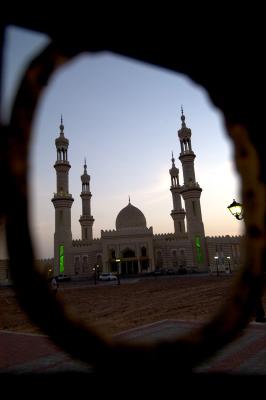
(117, 260)
(217, 269)
(229, 264)
(95, 272)
(236, 209)
(49, 272)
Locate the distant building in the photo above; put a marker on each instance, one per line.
(132, 242)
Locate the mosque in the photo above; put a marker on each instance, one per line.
(132, 248)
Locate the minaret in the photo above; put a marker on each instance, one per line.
(86, 220)
(178, 213)
(62, 201)
(191, 192)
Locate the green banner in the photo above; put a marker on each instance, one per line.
(199, 253)
(61, 259)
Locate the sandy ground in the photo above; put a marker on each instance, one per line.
(114, 308)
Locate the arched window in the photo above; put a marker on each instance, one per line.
(128, 253)
(182, 258)
(99, 260)
(174, 259)
(112, 254)
(76, 265)
(159, 259)
(143, 252)
(84, 263)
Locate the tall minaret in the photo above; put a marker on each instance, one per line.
(178, 213)
(62, 201)
(191, 192)
(86, 220)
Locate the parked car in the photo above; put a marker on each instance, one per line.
(182, 270)
(159, 271)
(107, 276)
(62, 278)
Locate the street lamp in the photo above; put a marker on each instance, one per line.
(217, 269)
(229, 264)
(95, 272)
(236, 209)
(117, 260)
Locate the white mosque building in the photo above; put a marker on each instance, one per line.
(132, 242)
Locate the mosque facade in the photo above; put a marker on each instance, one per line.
(132, 247)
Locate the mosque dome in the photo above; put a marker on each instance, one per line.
(130, 217)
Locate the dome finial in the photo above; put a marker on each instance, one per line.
(85, 165)
(173, 160)
(129, 199)
(61, 127)
(182, 115)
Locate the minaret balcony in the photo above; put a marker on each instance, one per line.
(175, 188)
(190, 185)
(187, 152)
(61, 163)
(62, 194)
(176, 214)
(86, 218)
(85, 194)
(187, 155)
(62, 201)
(191, 190)
(61, 141)
(179, 211)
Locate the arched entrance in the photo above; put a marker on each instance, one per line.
(129, 262)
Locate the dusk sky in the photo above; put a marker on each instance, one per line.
(122, 116)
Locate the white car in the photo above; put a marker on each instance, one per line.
(107, 276)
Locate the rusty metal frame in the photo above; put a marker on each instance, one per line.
(82, 342)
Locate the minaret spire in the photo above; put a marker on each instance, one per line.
(178, 213)
(62, 201)
(191, 192)
(86, 220)
(61, 127)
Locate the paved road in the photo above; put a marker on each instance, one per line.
(26, 353)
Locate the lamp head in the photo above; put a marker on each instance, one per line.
(236, 209)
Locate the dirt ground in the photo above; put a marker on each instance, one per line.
(113, 308)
